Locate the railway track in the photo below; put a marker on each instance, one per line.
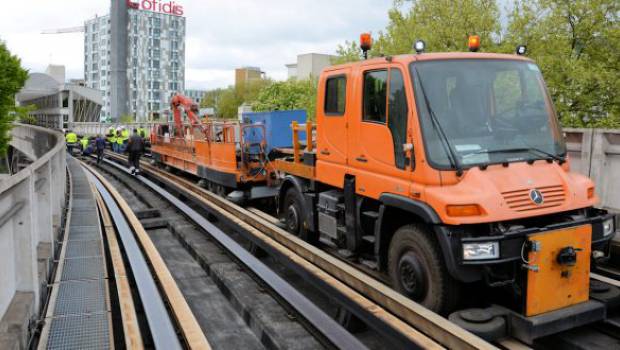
(603, 335)
(230, 309)
(376, 305)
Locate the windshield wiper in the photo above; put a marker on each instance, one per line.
(518, 150)
(454, 161)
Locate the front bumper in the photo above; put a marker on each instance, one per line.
(511, 244)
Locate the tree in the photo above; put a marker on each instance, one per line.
(577, 44)
(12, 79)
(227, 101)
(23, 114)
(444, 25)
(287, 95)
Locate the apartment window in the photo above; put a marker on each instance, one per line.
(134, 94)
(174, 55)
(174, 45)
(173, 86)
(156, 22)
(156, 95)
(155, 85)
(156, 43)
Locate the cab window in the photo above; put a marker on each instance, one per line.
(397, 116)
(335, 95)
(375, 98)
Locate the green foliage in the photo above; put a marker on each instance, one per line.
(23, 114)
(127, 118)
(227, 101)
(287, 95)
(576, 44)
(12, 79)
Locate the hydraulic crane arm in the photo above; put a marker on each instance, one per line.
(190, 109)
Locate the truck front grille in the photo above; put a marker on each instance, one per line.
(519, 200)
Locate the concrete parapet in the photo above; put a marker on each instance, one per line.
(31, 206)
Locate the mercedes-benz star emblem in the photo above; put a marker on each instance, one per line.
(536, 197)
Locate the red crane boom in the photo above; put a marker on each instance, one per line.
(191, 109)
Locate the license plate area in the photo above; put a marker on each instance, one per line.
(558, 276)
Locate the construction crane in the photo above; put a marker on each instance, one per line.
(79, 29)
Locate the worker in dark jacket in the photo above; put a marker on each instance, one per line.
(135, 147)
(99, 147)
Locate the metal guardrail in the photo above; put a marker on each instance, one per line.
(31, 205)
(92, 129)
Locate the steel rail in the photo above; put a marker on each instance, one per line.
(131, 326)
(191, 331)
(323, 323)
(389, 305)
(162, 328)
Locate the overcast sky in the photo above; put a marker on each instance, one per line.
(221, 34)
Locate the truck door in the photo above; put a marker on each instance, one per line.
(332, 112)
(381, 128)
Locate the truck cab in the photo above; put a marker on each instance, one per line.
(446, 171)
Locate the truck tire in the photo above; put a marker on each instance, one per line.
(293, 214)
(417, 270)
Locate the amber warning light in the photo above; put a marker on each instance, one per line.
(473, 43)
(365, 43)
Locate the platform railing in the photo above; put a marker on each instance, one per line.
(31, 207)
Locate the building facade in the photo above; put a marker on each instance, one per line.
(247, 75)
(308, 65)
(195, 95)
(155, 61)
(58, 104)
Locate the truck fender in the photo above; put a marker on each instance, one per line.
(420, 212)
(301, 185)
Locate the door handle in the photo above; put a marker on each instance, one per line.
(361, 159)
(325, 152)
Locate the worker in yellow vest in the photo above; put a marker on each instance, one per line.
(71, 139)
(112, 139)
(126, 135)
(84, 142)
(122, 140)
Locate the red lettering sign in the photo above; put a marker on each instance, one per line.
(169, 7)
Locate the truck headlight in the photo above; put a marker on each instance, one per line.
(481, 251)
(608, 227)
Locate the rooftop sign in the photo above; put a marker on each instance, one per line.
(167, 7)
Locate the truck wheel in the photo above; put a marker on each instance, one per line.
(417, 270)
(293, 214)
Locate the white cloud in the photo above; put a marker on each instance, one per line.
(221, 35)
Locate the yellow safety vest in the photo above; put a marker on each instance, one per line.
(71, 137)
(85, 142)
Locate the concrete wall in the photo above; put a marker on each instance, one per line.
(596, 153)
(31, 207)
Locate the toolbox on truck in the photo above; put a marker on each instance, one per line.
(277, 128)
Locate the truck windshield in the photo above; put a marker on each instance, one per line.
(483, 111)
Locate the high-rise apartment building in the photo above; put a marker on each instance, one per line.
(155, 59)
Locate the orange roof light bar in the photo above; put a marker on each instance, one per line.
(365, 43)
(473, 43)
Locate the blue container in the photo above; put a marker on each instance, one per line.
(277, 127)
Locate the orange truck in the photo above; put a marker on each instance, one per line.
(448, 172)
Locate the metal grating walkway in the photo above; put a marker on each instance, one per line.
(78, 316)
